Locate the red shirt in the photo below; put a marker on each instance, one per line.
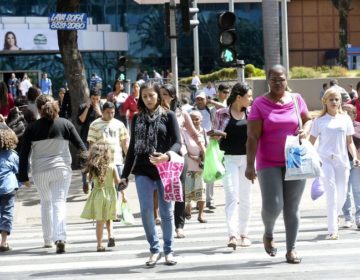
(356, 103)
(131, 105)
(6, 110)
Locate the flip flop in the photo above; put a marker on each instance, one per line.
(169, 260)
(152, 263)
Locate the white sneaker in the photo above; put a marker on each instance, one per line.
(332, 236)
(347, 224)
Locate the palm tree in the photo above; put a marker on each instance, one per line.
(343, 6)
(271, 32)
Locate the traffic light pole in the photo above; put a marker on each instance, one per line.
(196, 43)
(240, 64)
(173, 45)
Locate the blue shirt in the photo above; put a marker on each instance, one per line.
(45, 85)
(9, 166)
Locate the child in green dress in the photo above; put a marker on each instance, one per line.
(101, 203)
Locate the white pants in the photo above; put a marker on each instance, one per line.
(237, 190)
(335, 179)
(53, 187)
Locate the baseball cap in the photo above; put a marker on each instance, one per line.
(200, 94)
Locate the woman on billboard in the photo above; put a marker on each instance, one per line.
(10, 42)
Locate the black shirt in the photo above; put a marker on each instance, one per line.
(168, 139)
(90, 117)
(236, 136)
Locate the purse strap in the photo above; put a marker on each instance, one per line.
(297, 111)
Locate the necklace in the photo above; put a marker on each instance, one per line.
(276, 99)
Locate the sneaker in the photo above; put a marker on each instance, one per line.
(347, 224)
(60, 247)
(332, 236)
(210, 206)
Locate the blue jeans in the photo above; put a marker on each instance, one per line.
(354, 187)
(145, 187)
(7, 202)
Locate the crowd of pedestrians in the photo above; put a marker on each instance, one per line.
(136, 133)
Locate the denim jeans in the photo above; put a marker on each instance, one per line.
(145, 187)
(7, 202)
(354, 187)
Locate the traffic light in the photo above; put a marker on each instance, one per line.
(227, 38)
(121, 68)
(189, 15)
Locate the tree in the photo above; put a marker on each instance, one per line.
(72, 59)
(271, 33)
(343, 7)
(73, 64)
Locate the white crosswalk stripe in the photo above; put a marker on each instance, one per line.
(201, 255)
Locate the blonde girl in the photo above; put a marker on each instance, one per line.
(334, 129)
(101, 203)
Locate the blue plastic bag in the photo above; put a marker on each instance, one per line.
(317, 188)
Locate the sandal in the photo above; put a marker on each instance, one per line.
(100, 249)
(5, 248)
(269, 246)
(201, 220)
(111, 242)
(169, 260)
(244, 241)
(153, 259)
(291, 257)
(232, 242)
(180, 233)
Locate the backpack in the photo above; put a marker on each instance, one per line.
(16, 121)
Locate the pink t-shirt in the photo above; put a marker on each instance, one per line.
(278, 121)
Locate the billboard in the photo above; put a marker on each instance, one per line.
(45, 40)
(68, 21)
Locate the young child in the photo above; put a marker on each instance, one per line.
(354, 179)
(334, 129)
(101, 203)
(194, 186)
(9, 164)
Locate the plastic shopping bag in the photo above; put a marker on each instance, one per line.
(317, 188)
(213, 165)
(301, 159)
(125, 214)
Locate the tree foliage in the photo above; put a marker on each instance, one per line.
(343, 7)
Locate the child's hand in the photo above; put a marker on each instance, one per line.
(356, 163)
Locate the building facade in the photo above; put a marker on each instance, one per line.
(314, 32)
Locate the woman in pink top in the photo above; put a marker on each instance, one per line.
(168, 95)
(272, 118)
(6, 100)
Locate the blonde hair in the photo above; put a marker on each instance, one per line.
(329, 92)
(99, 160)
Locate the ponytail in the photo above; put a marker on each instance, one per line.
(47, 107)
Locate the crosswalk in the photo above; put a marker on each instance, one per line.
(201, 255)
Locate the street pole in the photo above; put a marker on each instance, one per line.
(231, 6)
(173, 45)
(285, 39)
(240, 64)
(196, 43)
